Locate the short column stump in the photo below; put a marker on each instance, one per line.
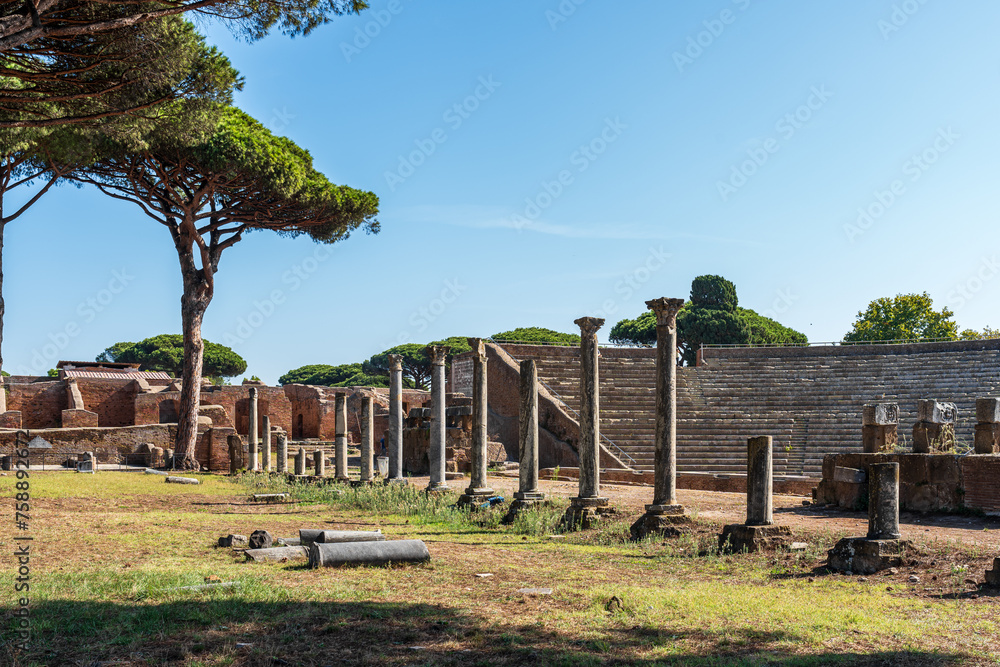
(662, 520)
(740, 538)
(861, 555)
(584, 513)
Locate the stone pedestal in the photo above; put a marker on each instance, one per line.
(478, 489)
(582, 511)
(879, 427)
(437, 453)
(367, 439)
(527, 494)
(993, 576)
(340, 439)
(282, 439)
(881, 548)
(253, 464)
(265, 445)
(664, 516)
(300, 463)
(395, 442)
(987, 438)
(319, 462)
(935, 427)
(741, 538)
(759, 532)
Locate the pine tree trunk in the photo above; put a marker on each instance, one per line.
(3, 392)
(194, 302)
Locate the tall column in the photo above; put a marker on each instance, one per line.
(252, 429)
(282, 452)
(341, 438)
(300, 462)
(319, 462)
(395, 444)
(528, 431)
(266, 445)
(478, 488)
(883, 501)
(665, 461)
(367, 439)
(584, 508)
(760, 481)
(437, 453)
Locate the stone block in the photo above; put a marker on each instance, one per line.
(235, 541)
(11, 419)
(933, 437)
(935, 412)
(877, 439)
(880, 414)
(987, 439)
(849, 475)
(993, 576)
(740, 538)
(458, 411)
(660, 525)
(861, 555)
(988, 410)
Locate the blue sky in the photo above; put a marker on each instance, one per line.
(540, 161)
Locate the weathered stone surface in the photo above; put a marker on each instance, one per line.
(265, 445)
(367, 553)
(260, 539)
(883, 501)
(933, 437)
(760, 481)
(300, 462)
(988, 410)
(319, 462)
(269, 497)
(993, 576)
(253, 463)
(182, 480)
(936, 412)
(849, 475)
(585, 513)
(741, 538)
(880, 414)
(235, 444)
(527, 488)
(233, 540)
(987, 438)
(864, 556)
(877, 439)
(277, 554)
(282, 442)
(309, 535)
(662, 525)
(519, 505)
(437, 455)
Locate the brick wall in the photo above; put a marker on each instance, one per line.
(41, 403)
(112, 400)
(981, 477)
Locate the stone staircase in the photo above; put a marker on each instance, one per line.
(808, 399)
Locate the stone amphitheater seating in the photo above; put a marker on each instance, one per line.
(808, 399)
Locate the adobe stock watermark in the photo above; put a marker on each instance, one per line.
(581, 159)
(454, 116)
(426, 314)
(280, 120)
(714, 27)
(265, 308)
(967, 290)
(633, 281)
(914, 169)
(899, 17)
(783, 301)
(363, 36)
(786, 127)
(562, 12)
(87, 311)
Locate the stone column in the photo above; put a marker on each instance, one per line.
(478, 488)
(367, 439)
(582, 509)
(395, 444)
(252, 429)
(883, 501)
(319, 462)
(665, 455)
(528, 431)
(266, 445)
(760, 481)
(987, 434)
(437, 452)
(282, 452)
(341, 438)
(300, 462)
(235, 453)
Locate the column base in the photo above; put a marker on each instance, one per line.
(520, 505)
(475, 496)
(666, 510)
(740, 538)
(993, 576)
(395, 480)
(342, 479)
(531, 496)
(660, 523)
(361, 482)
(437, 487)
(585, 513)
(860, 555)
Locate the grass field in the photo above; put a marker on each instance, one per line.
(108, 549)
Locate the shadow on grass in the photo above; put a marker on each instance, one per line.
(233, 631)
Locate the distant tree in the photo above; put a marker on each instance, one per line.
(712, 317)
(902, 317)
(166, 353)
(208, 196)
(537, 335)
(112, 353)
(988, 333)
(324, 375)
(416, 364)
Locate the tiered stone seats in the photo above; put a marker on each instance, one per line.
(808, 399)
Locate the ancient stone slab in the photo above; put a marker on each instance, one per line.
(849, 475)
(260, 539)
(879, 414)
(741, 538)
(861, 555)
(936, 412)
(269, 497)
(277, 554)
(233, 540)
(987, 439)
(988, 410)
(182, 480)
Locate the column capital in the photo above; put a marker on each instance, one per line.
(666, 310)
(253, 392)
(395, 362)
(437, 353)
(589, 325)
(478, 346)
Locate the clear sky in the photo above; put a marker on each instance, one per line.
(538, 161)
